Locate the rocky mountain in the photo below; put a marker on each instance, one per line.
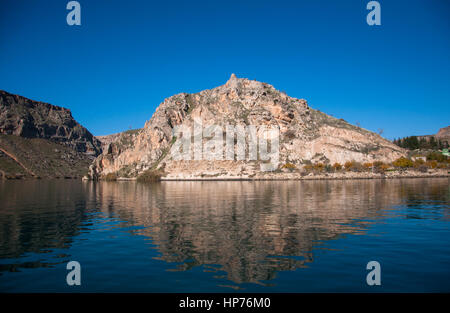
(107, 139)
(443, 134)
(305, 135)
(36, 157)
(27, 118)
(38, 139)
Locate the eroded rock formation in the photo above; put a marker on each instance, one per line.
(27, 118)
(306, 135)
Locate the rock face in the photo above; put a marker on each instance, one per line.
(36, 157)
(444, 134)
(23, 117)
(38, 139)
(305, 135)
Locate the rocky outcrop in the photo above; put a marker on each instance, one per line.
(27, 118)
(444, 134)
(38, 139)
(306, 135)
(37, 157)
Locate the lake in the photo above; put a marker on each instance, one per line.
(225, 236)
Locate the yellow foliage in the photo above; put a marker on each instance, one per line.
(378, 164)
(308, 167)
(319, 167)
(402, 162)
(289, 166)
(348, 165)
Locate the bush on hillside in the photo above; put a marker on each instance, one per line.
(403, 162)
(150, 176)
(110, 177)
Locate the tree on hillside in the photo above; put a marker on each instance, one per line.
(423, 143)
(433, 143)
(412, 143)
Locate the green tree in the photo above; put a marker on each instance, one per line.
(433, 143)
(423, 143)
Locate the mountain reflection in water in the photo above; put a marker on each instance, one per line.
(247, 232)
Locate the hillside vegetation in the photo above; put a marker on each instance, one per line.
(36, 157)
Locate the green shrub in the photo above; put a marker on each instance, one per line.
(418, 163)
(110, 177)
(150, 176)
(436, 156)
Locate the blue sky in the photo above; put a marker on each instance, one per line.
(127, 56)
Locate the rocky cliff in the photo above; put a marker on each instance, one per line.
(38, 139)
(444, 134)
(27, 118)
(305, 135)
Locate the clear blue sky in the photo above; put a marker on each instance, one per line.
(127, 56)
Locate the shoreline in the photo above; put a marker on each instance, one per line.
(290, 179)
(441, 173)
(332, 176)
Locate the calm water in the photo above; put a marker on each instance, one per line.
(312, 236)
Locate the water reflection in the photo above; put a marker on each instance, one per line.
(249, 230)
(37, 216)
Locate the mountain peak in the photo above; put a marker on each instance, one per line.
(233, 81)
(233, 77)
